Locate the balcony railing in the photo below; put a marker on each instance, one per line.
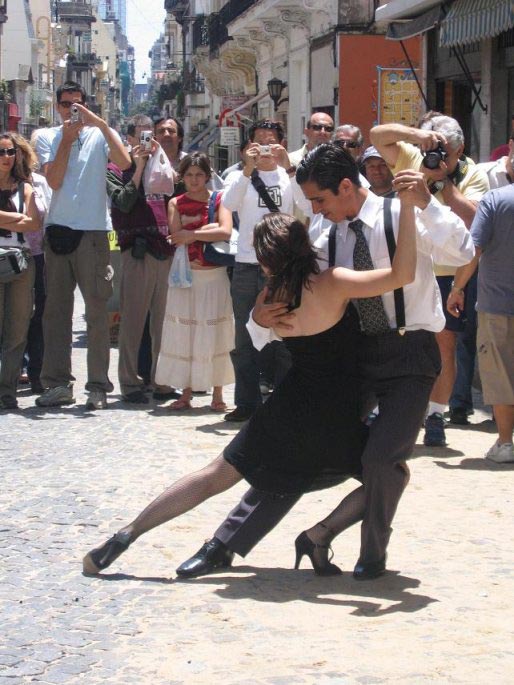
(200, 32)
(75, 10)
(234, 8)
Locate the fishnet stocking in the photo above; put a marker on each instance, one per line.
(185, 494)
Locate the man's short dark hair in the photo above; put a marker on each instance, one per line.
(267, 124)
(180, 128)
(140, 120)
(71, 87)
(326, 166)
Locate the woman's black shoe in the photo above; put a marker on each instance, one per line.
(100, 558)
(321, 565)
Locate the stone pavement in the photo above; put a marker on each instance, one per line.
(443, 613)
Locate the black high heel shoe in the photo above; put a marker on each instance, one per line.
(100, 558)
(304, 545)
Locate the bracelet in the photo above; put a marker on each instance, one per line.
(291, 170)
(456, 287)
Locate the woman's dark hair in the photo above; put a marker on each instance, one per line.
(71, 87)
(198, 159)
(20, 170)
(326, 166)
(282, 245)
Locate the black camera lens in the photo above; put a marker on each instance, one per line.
(433, 158)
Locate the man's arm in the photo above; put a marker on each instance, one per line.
(387, 136)
(117, 151)
(447, 238)
(458, 203)
(455, 301)
(124, 196)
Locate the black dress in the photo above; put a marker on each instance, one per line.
(308, 435)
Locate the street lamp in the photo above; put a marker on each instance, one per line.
(275, 88)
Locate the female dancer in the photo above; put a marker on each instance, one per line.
(300, 439)
(18, 215)
(198, 331)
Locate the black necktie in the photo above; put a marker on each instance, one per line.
(371, 309)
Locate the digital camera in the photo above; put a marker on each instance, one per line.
(265, 151)
(433, 158)
(145, 140)
(75, 117)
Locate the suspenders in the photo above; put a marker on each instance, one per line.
(399, 302)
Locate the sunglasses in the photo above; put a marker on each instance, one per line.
(7, 152)
(321, 127)
(348, 143)
(67, 104)
(269, 124)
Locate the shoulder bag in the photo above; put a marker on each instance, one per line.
(220, 252)
(14, 260)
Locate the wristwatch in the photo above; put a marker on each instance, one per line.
(291, 170)
(437, 186)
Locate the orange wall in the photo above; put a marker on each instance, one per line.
(359, 57)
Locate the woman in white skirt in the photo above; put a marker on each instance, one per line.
(198, 331)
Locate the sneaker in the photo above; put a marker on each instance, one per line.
(501, 454)
(97, 400)
(56, 397)
(459, 416)
(434, 431)
(239, 414)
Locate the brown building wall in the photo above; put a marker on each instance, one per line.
(359, 56)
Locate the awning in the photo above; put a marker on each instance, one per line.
(403, 9)
(402, 30)
(468, 21)
(246, 104)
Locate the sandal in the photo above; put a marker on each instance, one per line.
(218, 406)
(180, 405)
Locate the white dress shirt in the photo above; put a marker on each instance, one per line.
(441, 237)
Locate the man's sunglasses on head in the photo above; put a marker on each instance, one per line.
(348, 143)
(321, 127)
(7, 152)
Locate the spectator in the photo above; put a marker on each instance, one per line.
(457, 182)
(269, 169)
(493, 234)
(351, 138)
(377, 173)
(142, 228)
(77, 248)
(198, 329)
(319, 129)
(501, 171)
(18, 215)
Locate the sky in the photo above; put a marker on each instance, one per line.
(144, 25)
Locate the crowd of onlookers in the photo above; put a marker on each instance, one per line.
(183, 312)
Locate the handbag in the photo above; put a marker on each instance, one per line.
(63, 239)
(14, 260)
(220, 252)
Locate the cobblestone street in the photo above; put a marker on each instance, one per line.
(70, 478)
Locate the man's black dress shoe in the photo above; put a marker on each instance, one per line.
(369, 570)
(173, 394)
(459, 416)
(239, 414)
(214, 554)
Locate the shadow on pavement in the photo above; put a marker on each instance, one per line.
(279, 585)
(477, 464)
(424, 451)
(486, 426)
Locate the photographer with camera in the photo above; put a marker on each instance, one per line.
(265, 184)
(77, 247)
(437, 149)
(140, 221)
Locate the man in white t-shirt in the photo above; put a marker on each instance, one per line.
(265, 163)
(77, 247)
(501, 171)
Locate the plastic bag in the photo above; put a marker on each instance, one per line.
(180, 275)
(158, 177)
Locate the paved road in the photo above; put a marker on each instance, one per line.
(443, 614)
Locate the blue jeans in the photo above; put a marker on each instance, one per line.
(247, 282)
(461, 397)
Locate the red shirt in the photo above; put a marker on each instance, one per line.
(189, 207)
